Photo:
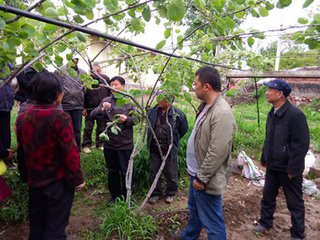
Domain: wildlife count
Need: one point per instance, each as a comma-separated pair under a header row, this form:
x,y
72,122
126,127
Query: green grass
x,y
124,223
249,136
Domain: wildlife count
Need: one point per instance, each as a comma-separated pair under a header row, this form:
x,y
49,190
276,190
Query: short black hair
x,y
120,79
46,86
211,76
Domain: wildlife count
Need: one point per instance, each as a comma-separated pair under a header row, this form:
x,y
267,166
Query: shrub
x,y
14,208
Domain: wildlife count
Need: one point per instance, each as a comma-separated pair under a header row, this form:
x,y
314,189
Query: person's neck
x,y
279,103
211,98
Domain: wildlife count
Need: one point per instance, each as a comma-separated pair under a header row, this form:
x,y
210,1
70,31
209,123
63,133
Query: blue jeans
x,y
205,210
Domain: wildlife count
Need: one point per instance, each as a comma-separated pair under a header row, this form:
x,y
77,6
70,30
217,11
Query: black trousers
x,y
5,131
292,189
76,117
170,173
117,164
88,128
49,211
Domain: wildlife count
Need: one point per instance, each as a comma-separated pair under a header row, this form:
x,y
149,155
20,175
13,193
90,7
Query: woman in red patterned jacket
x,y
48,159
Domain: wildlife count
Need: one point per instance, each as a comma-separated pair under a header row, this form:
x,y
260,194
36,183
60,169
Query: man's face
x,y
199,88
97,69
273,95
117,85
163,103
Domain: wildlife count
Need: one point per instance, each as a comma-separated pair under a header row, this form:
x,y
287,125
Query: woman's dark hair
x,y
120,79
46,86
211,76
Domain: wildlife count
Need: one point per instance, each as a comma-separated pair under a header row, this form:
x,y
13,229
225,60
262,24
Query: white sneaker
x,y
169,199
86,150
100,148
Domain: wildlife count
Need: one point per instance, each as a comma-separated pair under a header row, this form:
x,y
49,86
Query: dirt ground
x,y
241,211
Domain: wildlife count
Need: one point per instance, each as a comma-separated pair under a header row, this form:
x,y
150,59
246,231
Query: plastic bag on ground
x,y
249,170
309,161
310,188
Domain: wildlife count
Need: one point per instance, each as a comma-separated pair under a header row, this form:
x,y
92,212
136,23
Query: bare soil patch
x,y
241,210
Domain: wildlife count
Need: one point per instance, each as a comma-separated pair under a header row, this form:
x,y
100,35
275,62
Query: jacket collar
x,y
169,112
203,104
282,109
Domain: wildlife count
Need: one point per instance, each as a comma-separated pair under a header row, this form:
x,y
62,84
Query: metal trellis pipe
x,y
27,14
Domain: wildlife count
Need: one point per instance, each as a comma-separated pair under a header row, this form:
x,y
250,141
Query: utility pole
x,y
278,53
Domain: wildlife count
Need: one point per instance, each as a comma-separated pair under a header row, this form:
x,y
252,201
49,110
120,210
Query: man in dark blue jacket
x,y
6,104
285,147
164,119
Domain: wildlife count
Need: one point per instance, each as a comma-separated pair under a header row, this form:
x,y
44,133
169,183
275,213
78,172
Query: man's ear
x,y
281,94
207,86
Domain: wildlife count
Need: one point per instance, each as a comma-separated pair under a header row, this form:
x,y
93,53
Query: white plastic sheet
x,y
249,170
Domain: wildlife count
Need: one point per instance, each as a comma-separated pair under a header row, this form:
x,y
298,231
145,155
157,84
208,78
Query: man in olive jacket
x,y
208,151
285,147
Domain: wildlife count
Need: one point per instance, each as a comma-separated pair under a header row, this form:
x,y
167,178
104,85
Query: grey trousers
x,y
170,173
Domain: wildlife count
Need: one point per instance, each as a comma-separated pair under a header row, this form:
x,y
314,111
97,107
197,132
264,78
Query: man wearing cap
x,y
169,125
285,147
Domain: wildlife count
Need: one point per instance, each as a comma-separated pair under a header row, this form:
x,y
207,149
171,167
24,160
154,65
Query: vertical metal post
x,y
257,98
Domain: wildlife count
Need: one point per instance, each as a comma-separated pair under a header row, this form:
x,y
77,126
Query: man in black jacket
x,y
92,99
165,118
285,147
118,146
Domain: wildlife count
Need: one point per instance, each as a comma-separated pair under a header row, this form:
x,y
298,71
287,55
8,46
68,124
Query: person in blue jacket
x,y
160,116
6,104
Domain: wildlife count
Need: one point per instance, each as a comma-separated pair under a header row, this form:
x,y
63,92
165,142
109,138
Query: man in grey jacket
x,y
73,98
208,151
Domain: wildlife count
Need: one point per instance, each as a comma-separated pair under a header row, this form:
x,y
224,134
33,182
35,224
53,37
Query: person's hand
x,y
11,155
122,118
106,106
197,185
81,186
84,113
290,175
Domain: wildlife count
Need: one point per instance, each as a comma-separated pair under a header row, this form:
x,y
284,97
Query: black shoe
x,y
260,229
175,235
153,200
111,202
